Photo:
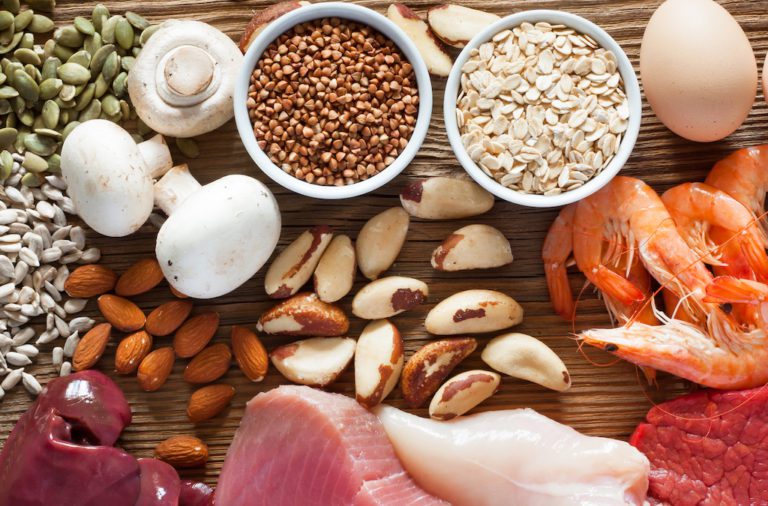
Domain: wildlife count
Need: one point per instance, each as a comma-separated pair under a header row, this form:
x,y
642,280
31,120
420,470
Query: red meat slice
x,y
708,448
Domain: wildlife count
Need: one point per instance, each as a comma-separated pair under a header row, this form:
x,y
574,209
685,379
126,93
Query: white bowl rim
x,y
361,15
631,86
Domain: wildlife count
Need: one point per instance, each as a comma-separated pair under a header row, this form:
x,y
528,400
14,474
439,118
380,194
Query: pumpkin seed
x,y
12,5
6,20
27,117
84,25
50,66
10,46
99,16
124,33
43,5
72,73
93,111
40,145
82,58
27,56
135,52
62,52
125,109
48,132
147,33
127,63
6,164
108,30
7,35
188,147
34,163
22,20
8,92
18,105
10,121
7,136
32,180
68,36
41,24
18,144
93,43
54,163
111,66
51,113
32,72
100,56
26,86
38,123
119,86
110,105
85,97
138,21
102,86
68,129
48,48
27,41
50,88
5,107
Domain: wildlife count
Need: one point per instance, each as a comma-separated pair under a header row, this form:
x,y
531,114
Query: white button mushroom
x,y
183,81
217,236
109,176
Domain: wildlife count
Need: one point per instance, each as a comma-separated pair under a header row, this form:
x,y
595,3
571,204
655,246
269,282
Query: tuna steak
x,y
708,448
300,446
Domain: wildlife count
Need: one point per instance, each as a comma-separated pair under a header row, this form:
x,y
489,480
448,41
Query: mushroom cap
x,y
107,178
183,81
219,237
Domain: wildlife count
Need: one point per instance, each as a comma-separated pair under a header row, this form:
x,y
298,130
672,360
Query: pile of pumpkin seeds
x,y
47,89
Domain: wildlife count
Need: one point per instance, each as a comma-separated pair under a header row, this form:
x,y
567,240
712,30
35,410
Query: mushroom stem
x,y
156,156
174,187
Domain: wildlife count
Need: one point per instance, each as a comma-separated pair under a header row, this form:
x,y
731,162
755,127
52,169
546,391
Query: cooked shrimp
x,y
702,212
728,289
744,176
557,249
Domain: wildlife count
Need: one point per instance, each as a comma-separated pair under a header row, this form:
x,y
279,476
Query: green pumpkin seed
x,y
27,118
136,20
22,20
101,86
34,163
48,132
11,69
5,107
42,5
125,108
38,123
6,165
6,19
82,58
12,5
84,25
93,43
3,78
10,46
8,92
48,49
127,63
32,72
26,86
40,145
40,24
72,73
100,56
124,33
111,66
67,93
108,30
62,52
110,105
50,88
32,180
6,36
188,147
93,111
147,33
99,16
27,56
50,114
8,136
54,164
120,85
68,36
68,129
27,41
85,97
10,121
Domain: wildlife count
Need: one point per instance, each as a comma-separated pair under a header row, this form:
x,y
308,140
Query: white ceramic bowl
x,y
354,13
630,84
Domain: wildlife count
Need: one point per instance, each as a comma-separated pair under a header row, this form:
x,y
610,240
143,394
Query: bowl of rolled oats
x,y
542,108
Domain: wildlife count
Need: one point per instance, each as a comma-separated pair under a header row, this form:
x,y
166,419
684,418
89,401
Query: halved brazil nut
x,y
388,297
430,365
473,247
295,264
380,241
304,314
456,25
378,362
462,393
473,311
335,274
314,362
445,198
525,357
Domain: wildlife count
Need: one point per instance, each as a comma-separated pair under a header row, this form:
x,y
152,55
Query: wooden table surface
x,y
607,398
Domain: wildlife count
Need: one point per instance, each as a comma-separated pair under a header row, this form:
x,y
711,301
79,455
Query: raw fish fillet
x,y
515,457
300,446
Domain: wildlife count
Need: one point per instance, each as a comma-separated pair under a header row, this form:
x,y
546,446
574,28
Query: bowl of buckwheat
x,y
333,100
542,108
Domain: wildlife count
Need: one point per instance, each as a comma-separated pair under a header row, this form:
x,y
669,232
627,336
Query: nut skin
x,y
442,21
473,247
294,266
140,278
474,311
131,351
89,281
249,353
209,401
304,314
430,365
155,368
123,314
261,19
525,357
462,393
335,273
314,362
438,61
91,347
445,198
182,452
378,362
387,297
195,334
209,365
167,318
380,241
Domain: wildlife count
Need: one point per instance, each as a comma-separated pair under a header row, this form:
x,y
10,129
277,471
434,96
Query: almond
x,y
178,294
430,365
155,369
388,297
314,362
182,451
456,25
473,311
380,241
293,267
123,314
462,393
209,365
438,61
195,334
261,19
140,278
335,273
209,401
445,198
89,281
166,318
472,247
378,362
91,347
304,314
131,351
249,353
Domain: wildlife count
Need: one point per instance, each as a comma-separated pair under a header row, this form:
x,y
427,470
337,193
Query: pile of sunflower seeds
x,y
542,108
37,246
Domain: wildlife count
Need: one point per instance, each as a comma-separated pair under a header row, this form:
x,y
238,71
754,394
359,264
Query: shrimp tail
x,y
756,258
728,289
617,286
560,291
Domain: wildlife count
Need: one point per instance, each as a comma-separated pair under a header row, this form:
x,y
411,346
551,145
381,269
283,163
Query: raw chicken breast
x,y
515,457
300,446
